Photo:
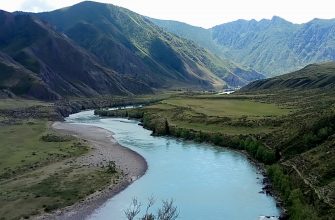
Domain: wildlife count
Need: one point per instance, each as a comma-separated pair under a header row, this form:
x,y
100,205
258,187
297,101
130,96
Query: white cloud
x,y
204,13
36,5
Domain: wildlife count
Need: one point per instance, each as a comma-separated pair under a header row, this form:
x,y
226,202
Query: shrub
x,y
293,197
55,138
258,150
167,212
111,167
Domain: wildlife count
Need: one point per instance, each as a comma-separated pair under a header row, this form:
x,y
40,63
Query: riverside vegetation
x,y
36,169
36,173
290,131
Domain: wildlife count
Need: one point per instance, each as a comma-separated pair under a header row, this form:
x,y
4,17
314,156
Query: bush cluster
x,y
55,138
292,195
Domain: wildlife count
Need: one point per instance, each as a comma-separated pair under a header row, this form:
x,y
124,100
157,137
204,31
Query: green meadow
x,y
36,172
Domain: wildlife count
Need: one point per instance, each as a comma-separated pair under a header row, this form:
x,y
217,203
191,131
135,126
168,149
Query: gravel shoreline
x,y
104,149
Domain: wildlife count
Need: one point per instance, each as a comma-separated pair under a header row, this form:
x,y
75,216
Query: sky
x,y
203,13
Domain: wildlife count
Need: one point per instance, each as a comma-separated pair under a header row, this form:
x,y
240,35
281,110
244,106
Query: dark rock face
x,y
272,47
313,40
277,46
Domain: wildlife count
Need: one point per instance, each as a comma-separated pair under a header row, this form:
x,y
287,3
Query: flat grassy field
x,y
36,172
228,107
232,116
21,103
23,149
48,188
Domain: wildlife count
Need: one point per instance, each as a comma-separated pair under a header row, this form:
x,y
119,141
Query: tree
x,y
111,167
167,212
133,210
167,128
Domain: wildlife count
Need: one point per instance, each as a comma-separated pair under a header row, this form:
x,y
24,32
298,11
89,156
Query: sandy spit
x,y
104,149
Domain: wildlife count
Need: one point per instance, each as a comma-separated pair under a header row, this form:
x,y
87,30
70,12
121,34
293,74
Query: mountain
x,y
200,35
277,46
135,47
272,47
16,79
313,76
38,62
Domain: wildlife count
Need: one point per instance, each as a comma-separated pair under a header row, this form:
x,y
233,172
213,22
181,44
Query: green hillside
x,y
38,62
16,79
314,76
92,49
132,45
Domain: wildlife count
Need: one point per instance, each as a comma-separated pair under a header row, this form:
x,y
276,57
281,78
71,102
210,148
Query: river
x,y
206,182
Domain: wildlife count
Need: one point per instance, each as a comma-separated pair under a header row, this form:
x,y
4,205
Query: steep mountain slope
x,y
271,46
14,78
313,76
134,46
277,46
200,35
44,64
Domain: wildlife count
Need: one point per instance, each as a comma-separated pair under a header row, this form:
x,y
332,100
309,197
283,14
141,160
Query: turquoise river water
x,y
205,182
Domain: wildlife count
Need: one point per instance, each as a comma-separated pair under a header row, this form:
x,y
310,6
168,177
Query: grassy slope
x,y
33,173
38,62
314,76
21,81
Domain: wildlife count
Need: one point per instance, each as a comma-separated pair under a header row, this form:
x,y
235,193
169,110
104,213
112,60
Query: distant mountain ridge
x,y
272,47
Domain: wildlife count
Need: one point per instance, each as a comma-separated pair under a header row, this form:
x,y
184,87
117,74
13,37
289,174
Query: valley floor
x,y
57,170
104,149
44,169
291,132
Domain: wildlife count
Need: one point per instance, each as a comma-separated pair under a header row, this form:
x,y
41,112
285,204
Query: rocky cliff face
x,y
277,46
272,47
